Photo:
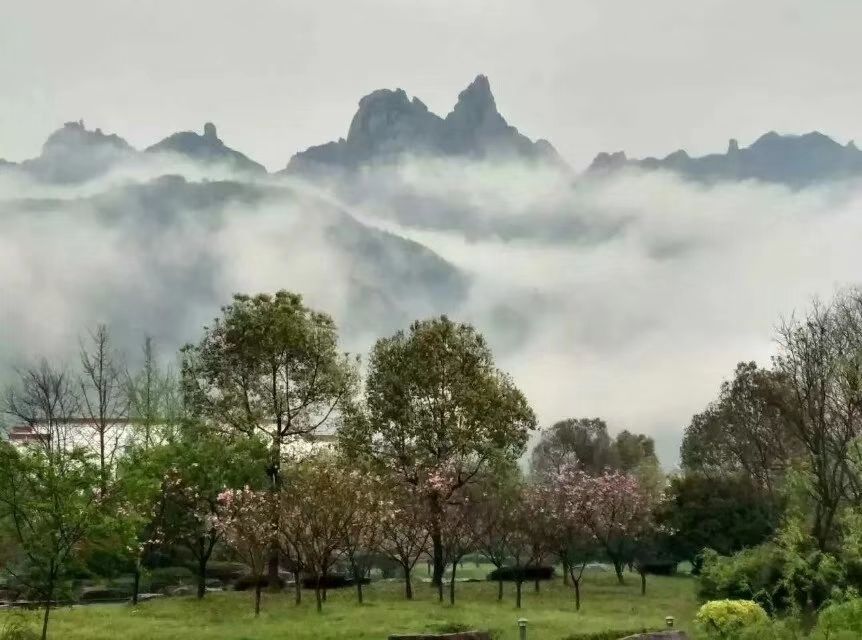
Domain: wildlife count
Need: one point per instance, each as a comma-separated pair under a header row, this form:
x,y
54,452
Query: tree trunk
x,y
202,577
499,590
565,573
452,585
318,595
358,579
257,590
50,595
45,620
618,568
136,582
518,584
577,584
440,591
537,588
272,565
297,587
408,587
439,564
643,583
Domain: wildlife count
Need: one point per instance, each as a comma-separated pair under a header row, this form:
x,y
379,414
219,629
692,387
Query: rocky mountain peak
x,y
389,124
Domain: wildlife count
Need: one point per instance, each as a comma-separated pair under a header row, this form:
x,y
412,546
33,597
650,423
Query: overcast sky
x,y
280,75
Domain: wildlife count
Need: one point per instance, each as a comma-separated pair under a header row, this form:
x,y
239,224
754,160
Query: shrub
x,y
165,577
226,571
332,581
247,582
608,634
14,628
840,621
728,619
96,594
659,568
525,574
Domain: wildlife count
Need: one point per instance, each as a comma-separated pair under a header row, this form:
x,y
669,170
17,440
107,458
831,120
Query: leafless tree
x,y
46,401
821,358
104,400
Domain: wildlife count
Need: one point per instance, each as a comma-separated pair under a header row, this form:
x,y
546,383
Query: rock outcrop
x,y
206,148
388,124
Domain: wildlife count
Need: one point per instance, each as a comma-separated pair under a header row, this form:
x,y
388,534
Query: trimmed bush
x,y
95,594
165,577
728,619
332,581
659,568
608,634
525,574
247,582
226,571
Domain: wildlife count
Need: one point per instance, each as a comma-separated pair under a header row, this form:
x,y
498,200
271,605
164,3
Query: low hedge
x,y
247,582
524,574
608,634
96,594
226,571
334,581
667,568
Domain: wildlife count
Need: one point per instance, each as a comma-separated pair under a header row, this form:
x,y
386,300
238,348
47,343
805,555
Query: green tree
x,y
270,366
50,503
436,405
199,465
585,443
726,513
746,430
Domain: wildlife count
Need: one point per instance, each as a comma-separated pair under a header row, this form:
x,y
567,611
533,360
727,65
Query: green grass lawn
x,y
229,616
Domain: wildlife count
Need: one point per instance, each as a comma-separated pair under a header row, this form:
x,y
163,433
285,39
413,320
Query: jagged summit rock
x,y
207,148
74,153
388,124
793,160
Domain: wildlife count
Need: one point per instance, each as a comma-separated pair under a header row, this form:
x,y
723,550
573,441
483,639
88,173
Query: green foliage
x,y
724,513
842,621
727,619
585,443
50,507
15,627
608,634
434,397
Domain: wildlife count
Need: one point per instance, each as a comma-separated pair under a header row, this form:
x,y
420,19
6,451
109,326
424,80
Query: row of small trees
x,y
212,456
333,511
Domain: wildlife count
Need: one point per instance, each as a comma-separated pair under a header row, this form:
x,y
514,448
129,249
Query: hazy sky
x,y
279,75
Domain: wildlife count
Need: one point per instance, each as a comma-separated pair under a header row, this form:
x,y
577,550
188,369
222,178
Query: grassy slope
x,y
229,616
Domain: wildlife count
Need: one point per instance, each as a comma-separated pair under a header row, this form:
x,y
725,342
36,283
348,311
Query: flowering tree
x,y
494,514
244,519
362,533
568,494
404,531
457,536
435,401
318,506
204,463
617,512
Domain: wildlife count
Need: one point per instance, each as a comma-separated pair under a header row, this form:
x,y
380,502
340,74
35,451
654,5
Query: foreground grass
x,y
228,616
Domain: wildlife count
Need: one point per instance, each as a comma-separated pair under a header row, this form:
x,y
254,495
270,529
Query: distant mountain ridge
x,y
75,154
388,124
793,160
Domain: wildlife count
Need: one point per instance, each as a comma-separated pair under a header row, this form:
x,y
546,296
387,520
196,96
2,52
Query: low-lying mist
x,y
628,297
